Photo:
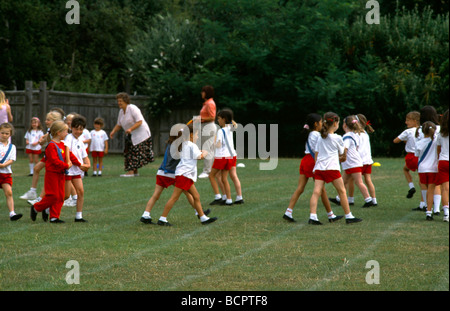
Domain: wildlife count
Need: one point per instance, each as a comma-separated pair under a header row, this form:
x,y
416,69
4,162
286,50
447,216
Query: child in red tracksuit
x,y
55,169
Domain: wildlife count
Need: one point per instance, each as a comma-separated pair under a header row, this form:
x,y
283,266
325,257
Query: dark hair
x,y
99,121
427,113
428,129
209,91
63,114
123,96
329,119
311,120
78,121
444,124
365,125
191,131
226,114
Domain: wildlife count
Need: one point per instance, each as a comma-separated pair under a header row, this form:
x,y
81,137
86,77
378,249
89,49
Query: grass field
x,y
250,247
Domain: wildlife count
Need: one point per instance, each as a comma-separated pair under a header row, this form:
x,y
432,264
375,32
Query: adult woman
x,y
209,128
138,141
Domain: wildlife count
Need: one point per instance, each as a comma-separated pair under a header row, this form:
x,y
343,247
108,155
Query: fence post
x,y
43,100
28,109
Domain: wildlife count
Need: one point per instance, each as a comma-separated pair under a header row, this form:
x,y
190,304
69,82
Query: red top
x,y
208,111
52,161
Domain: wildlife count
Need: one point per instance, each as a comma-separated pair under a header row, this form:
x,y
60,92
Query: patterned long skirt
x,y
139,155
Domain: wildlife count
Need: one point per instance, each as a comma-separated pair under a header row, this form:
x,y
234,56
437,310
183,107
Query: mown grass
x,y
250,247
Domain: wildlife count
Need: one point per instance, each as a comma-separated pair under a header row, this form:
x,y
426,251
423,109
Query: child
x,y
5,109
353,165
55,169
443,168
227,113
224,156
31,194
313,126
408,136
165,177
426,151
330,151
33,148
186,176
76,173
99,146
7,157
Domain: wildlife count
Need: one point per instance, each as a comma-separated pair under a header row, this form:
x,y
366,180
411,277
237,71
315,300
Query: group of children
x,y
427,151
326,153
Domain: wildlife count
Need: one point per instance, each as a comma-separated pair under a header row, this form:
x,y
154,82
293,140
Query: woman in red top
x,y
55,169
208,127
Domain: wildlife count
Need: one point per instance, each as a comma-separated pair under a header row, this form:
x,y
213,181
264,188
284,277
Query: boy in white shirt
x,y
76,174
99,146
7,157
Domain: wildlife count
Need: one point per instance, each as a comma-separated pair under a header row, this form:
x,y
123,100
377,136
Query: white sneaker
x,y
445,218
32,202
203,175
127,175
29,195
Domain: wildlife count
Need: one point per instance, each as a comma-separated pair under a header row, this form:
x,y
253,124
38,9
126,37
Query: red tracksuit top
x,y
53,163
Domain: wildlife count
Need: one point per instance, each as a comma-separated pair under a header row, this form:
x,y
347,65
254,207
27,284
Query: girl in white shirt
x,y
186,175
32,137
329,152
443,167
426,151
313,126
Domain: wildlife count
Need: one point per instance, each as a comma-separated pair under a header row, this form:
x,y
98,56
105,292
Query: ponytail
x,y
329,119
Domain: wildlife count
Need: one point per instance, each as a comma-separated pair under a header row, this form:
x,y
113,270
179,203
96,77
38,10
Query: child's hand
x,y
85,167
69,164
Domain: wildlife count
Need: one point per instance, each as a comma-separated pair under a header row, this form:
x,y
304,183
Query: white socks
x,y
411,185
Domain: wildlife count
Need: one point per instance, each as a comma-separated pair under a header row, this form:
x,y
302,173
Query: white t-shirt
x,y
365,150
313,138
223,151
443,142
430,161
85,136
33,136
329,150
11,156
188,161
352,143
129,118
409,136
76,146
98,139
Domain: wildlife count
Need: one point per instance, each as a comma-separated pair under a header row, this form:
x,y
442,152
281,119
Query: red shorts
x,y
224,163
367,169
412,162
354,170
69,177
164,181
428,178
97,154
29,151
442,176
327,176
183,182
5,179
307,166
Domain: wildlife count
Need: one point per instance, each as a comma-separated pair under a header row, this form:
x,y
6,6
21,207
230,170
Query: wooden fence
x,y
31,102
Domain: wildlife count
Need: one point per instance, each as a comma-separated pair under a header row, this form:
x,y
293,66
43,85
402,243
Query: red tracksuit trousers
x,y
54,185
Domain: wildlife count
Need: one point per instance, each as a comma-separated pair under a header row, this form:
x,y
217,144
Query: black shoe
x,y
57,221
217,202
335,201
368,204
33,213
205,212
210,220
147,221
290,219
80,220
241,201
314,222
420,209
429,218
436,213
164,223
15,217
335,218
411,193
352,220
44,216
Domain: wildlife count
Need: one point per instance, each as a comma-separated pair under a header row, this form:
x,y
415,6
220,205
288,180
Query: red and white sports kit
x,y
443,167
327,166
307,164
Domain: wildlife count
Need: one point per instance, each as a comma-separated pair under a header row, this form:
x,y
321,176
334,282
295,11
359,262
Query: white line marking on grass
x,y
365,254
